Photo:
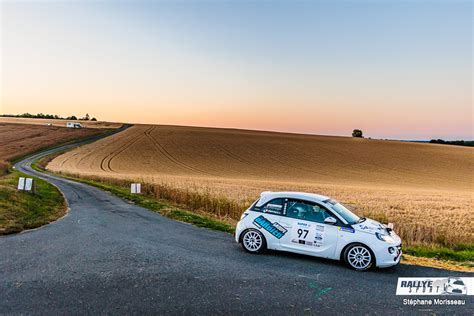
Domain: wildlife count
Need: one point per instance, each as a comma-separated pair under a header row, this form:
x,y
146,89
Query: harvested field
x,y
425,189
17,140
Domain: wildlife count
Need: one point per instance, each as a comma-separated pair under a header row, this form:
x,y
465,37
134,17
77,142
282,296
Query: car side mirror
x,y
330,220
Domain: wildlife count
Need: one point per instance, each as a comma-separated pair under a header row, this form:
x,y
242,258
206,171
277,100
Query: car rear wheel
x,y
253,241
358,257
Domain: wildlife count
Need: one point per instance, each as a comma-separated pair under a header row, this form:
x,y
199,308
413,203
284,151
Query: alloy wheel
x,y
252,241
359,258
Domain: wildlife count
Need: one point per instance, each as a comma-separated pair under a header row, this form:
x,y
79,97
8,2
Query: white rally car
x,y
318,226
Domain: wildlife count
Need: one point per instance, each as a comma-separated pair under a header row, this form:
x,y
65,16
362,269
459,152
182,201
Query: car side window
x,y
275,206
306,211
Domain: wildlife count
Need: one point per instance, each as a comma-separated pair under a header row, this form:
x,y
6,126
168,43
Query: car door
x,y
269,220
307,232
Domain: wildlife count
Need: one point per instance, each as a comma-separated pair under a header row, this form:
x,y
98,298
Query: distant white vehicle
x,y
318,226
49,124
74,125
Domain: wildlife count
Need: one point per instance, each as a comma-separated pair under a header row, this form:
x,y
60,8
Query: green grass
x,y
20,210
460,253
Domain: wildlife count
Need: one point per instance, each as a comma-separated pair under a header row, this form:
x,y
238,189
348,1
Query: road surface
x,y
109,256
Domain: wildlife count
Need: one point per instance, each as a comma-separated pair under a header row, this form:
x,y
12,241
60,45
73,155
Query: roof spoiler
x,y
265,192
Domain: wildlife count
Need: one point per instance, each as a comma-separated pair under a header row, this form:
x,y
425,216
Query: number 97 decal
x,y
302,233
307,234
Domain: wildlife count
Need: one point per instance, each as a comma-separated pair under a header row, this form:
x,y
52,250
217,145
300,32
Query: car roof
x,y
268,196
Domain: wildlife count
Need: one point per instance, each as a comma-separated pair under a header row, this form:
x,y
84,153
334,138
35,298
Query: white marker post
x,y
136,188
29,185
21,183
26,184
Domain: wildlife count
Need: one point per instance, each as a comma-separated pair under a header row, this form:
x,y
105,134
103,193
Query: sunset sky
x,y
401,70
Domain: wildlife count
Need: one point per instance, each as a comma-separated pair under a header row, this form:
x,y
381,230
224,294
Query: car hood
x,y
370,226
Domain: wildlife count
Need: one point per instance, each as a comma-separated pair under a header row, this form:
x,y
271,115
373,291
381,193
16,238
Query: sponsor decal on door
x,y
274,229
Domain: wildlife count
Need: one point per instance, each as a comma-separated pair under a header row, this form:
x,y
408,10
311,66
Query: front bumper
x,y
387,259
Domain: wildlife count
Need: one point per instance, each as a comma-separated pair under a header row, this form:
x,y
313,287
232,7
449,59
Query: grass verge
x,y
20,210
460,253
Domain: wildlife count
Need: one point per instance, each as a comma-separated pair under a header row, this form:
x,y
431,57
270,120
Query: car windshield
x,y
340,209
458,282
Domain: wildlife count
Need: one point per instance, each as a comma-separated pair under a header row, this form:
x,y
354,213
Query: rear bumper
x,y
238,231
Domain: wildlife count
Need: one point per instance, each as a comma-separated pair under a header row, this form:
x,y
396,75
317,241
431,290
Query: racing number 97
x,y
301,232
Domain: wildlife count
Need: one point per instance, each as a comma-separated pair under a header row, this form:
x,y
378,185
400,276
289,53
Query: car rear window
x,y
275,206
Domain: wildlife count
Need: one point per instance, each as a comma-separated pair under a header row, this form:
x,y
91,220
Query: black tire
x,y
253,241
358,257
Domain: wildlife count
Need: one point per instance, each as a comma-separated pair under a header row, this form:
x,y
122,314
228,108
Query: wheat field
x,y
425,189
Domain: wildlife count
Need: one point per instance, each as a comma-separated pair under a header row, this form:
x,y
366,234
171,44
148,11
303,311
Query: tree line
x,y
453,142
51,117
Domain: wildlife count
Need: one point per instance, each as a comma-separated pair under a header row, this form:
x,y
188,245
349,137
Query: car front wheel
x,y
358,257
253,241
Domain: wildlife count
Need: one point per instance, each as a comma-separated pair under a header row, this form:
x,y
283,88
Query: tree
x,y
72,118
87,117
93,119
357,133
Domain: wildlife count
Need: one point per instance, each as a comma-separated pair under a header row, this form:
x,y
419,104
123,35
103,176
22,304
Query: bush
x,y
357,133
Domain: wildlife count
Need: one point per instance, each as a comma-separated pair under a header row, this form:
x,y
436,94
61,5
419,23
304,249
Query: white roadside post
x,y
21,183
136,188
26,184
30,185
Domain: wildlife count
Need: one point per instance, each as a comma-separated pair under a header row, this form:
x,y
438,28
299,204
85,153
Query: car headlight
x,y
385,238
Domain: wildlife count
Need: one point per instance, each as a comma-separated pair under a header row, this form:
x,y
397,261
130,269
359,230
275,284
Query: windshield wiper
x,y
362,219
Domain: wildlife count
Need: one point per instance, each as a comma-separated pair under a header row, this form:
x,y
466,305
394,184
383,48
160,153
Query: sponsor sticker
x,y
274,229
347,229
273,209
274,206
318,236
303,224
436,286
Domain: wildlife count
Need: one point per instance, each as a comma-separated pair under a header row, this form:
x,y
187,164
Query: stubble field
x,y
17,140
425,189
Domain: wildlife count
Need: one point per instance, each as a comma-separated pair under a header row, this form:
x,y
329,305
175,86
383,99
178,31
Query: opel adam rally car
x,y
318,226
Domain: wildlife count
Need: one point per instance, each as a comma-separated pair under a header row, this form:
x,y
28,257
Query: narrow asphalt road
x,y
109,256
